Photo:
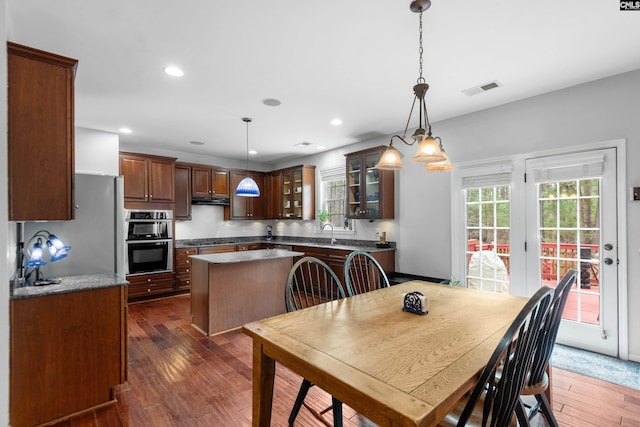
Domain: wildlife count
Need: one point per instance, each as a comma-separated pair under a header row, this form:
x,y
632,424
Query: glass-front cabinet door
x,y
292,193
287,194
370,191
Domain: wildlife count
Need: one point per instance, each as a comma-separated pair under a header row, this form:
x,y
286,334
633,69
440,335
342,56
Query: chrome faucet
x,y
333,241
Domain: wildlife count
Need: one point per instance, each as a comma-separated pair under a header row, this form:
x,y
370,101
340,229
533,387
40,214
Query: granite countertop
x,y
246,256
76,283
343,244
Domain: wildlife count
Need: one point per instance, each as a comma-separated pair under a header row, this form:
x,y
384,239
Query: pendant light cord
x,y
420,51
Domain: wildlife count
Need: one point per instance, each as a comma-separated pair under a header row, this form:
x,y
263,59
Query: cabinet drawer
x,y
144,289
183,271
183,283
151,284
183,263
216,249
185,252
249,247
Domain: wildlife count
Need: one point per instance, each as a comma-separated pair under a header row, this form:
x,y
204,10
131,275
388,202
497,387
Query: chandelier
x,y
430,148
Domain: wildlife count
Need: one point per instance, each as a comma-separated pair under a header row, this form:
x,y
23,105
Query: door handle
x,y
608,261
608,246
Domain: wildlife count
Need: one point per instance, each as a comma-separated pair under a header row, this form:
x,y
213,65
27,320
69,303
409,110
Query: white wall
x,y
603,110
96,152
5,229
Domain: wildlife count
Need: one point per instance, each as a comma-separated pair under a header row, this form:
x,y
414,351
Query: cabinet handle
x,y
188,271
149,290
148,280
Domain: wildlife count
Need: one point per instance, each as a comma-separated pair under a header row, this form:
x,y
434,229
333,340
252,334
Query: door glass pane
x,y
488,211
569,231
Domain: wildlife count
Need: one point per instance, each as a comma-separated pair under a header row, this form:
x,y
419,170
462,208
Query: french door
x,y
571,222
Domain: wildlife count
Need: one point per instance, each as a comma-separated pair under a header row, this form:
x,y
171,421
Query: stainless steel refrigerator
x,y
96,235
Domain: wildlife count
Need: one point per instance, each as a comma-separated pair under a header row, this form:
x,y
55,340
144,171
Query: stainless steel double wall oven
x,y
148,241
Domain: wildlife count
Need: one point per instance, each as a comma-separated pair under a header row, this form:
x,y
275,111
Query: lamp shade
x,y
443,166
429,151
35,258
247,188
57,249
390,159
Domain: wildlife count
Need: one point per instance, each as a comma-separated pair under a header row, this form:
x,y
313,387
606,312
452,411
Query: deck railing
x,y
556,259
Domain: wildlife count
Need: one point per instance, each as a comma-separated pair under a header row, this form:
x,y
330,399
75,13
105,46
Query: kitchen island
x,y
234,288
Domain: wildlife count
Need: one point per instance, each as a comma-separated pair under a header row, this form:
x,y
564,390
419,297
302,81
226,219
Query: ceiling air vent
x,y
481,88
303,144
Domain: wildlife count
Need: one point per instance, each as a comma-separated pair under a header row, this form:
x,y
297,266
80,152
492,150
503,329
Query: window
x,y
332,197
483,254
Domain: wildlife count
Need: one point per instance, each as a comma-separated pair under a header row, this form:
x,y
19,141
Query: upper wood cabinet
x,y
246,207
40,139
209,182
370,192
182,191
292,193
147,179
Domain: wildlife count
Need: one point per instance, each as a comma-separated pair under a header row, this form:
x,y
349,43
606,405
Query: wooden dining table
x,y
395,367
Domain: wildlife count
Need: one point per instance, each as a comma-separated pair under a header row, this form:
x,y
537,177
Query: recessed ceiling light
x,y
320,147
271,102
253,152
125,130
336,122
174,71
196,142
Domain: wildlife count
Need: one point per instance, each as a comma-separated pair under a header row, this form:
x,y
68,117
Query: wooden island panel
x,y
226,295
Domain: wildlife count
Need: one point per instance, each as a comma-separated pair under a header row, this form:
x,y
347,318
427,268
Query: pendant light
x,y
430,149
247,187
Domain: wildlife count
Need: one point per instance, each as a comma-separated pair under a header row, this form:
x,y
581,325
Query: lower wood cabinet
x,y
183,267
335,258
67,351
148,285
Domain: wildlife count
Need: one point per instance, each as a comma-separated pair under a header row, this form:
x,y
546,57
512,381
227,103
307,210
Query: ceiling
x,y
323,60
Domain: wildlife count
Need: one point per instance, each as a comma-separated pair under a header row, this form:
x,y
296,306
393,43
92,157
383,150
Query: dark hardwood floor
x,y
177,377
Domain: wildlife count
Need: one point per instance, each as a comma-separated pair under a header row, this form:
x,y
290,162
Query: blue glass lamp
x,y
57,251
247,187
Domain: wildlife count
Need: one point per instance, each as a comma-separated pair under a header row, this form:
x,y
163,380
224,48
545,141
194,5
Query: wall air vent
x,y
481,88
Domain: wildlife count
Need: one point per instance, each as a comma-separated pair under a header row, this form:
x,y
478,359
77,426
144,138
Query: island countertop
x,y
246,256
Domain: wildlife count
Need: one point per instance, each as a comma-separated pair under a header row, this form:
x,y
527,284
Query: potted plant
x,y
451,282
323,216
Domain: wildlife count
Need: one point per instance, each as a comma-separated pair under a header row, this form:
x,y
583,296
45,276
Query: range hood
x,y
217,201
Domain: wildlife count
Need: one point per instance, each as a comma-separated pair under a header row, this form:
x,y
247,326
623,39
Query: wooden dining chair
x,y
494,399
312,282
538,381
363,273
